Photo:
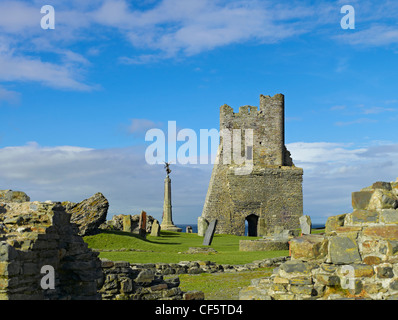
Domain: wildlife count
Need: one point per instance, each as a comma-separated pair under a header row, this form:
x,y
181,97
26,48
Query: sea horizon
x,y
195,227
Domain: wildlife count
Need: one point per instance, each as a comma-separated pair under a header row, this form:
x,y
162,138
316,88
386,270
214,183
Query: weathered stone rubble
x,y
196,267
356,258
279,240
88,214
127,223
33,235
144,281
263,245
201,250
124,282
13,196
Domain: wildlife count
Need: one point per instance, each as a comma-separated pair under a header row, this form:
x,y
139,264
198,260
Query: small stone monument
x,y
167,220
188,229
202,226
305,224
155,231
142,225
282,235
127,223
210,233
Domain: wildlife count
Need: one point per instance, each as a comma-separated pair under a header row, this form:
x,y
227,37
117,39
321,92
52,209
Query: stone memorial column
x,y
167,220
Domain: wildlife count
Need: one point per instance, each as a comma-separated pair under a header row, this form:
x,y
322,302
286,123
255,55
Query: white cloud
x,y
74,173
359,110
332,171
23,68
9,96
143,59
377,110
338,107
323,152
139,126
375,35
189,27
23,45
114,13
161,30
16,17
355,121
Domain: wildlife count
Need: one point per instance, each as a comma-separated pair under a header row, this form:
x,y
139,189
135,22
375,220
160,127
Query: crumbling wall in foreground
x,y
33,235
356,258
125,282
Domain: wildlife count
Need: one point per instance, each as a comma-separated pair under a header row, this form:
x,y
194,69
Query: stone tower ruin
x,y
270,193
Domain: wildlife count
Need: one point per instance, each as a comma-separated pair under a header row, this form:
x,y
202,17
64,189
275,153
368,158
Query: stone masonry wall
x,y
34,234
13,196
268,122
272,191
122,282
357,257
196,267
144,281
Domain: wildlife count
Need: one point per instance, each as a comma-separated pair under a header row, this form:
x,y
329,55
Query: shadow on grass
x,y
169,234
134,235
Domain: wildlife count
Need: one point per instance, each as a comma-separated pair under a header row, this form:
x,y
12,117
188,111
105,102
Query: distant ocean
x,y
184,227
195,227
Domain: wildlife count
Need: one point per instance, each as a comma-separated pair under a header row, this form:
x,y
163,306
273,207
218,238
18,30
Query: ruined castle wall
x,y
268,125
272,190
272,110
123,282
33,235
356,258
260,193
218,203
236,197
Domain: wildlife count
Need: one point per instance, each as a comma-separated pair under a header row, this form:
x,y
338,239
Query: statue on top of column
x,y
167,167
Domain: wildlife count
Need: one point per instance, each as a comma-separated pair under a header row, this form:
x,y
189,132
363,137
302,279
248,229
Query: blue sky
x,y
76,101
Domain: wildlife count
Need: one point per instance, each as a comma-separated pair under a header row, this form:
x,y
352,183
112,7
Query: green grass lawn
x,y
221,286
170,248
317,231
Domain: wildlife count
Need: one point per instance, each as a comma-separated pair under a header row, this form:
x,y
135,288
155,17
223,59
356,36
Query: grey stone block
x,y
343,250
210,233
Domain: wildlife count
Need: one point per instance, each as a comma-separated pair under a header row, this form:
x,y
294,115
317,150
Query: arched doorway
x,y
252,222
